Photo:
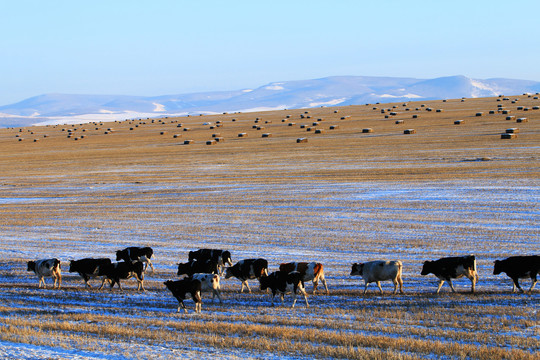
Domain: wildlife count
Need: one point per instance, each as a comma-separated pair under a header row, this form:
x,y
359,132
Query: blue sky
x,y
171,47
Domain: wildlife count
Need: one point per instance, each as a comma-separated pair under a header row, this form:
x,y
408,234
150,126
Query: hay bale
x,y
439,110
21,139
268,122
216,135
479,113
211,142
162,133
301,140
36,140
187,129
393,113
508,136
334,127
458,122
265,135
512,131
519,108
308,129
220,139
187,142
409,131
319,131
336,111
522,120
284,120
511,117
291,124
415,116
176,136
242,134
536,107
345,117
400,122
315,124
260,127
367,130
491,112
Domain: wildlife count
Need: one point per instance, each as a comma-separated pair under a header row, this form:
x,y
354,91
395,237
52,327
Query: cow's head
x,y
497,269
121,255
31,266
357,269
182,268
427,268
228,272
226,257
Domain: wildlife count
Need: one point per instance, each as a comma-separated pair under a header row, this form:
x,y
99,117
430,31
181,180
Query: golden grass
x,y
342,197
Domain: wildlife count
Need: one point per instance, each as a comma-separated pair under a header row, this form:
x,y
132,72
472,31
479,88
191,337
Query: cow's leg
x,y
86,278
473,279
516,284
247,285
451,285
441,282
103,279
303,291
151,265
58,280
282,296
365,286
42,280
533,284
395,281
400,281
323,280
217,292
315,284
181,305
379,286
140,285
198,301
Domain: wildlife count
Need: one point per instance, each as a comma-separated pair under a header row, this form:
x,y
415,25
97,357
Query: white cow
x,y
379,270
46,268
209,282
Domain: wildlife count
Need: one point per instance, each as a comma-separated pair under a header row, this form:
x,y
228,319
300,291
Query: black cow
x,y
450,268
519,267
142,254
282,282
221,256
89,268
181,288
195,266
123,270
247,269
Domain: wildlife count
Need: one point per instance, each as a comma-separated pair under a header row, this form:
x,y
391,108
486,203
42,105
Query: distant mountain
x,y
330,91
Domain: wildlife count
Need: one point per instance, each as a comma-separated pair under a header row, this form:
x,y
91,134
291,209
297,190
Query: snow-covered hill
x,y
336,90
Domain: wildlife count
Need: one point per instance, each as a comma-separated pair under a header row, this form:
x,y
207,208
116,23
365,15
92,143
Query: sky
x,y
160,47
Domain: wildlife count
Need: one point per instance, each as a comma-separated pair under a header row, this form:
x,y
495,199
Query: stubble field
x,y
346,195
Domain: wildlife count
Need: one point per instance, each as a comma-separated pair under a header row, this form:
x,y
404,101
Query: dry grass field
x,y
359,189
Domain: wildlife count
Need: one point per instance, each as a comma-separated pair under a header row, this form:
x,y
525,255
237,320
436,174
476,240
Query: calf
x,y
282,282
221,256
450,268
142,254
123,270
89,268
519,267
46,268
209,282
195,266
379,270
247,269
180,288
310,272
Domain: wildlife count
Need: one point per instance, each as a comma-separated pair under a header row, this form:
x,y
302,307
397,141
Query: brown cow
x,y
309,271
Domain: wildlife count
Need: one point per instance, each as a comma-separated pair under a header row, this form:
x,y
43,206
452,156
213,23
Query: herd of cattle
x,y
205,267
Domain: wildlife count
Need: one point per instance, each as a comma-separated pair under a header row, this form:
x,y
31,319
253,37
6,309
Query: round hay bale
x,y
479,113
308,129
519,108
177,136
260,127
242,134
458,122
511,117
508,136
265,135
512,131
21,139
220,139
400,122
439,110
187,142
162,133
345,117
336,111
303,126
491,112
268,122
284,120
522,120
415,116
291,124
319,131
409,131
393,113
36,140
301,140
334,127
82,136
187,129
315,124
367,130
216,135
536,107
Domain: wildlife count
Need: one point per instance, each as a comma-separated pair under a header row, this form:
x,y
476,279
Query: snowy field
x,y
334,223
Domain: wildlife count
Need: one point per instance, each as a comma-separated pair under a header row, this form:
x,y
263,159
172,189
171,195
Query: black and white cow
x,y
519,267
196,266
142,254
380,270
222,257
209,283
247,269
123,270
46,268
181,288
450,268
89,268
282,282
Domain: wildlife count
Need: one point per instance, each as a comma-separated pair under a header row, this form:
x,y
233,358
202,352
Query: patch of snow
x,y
274,87
247,90
409,96
331,102
158,107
